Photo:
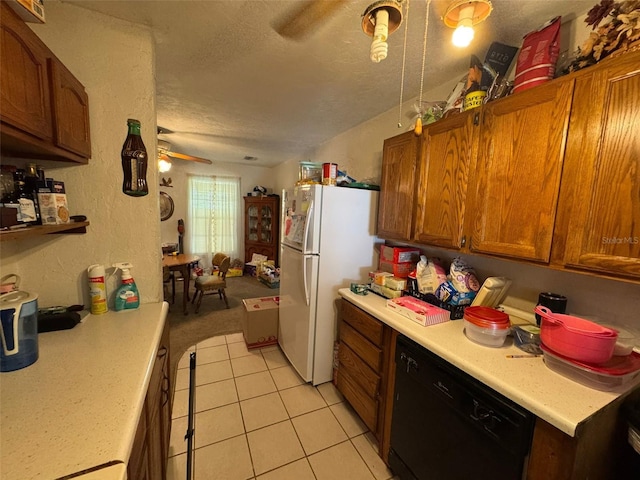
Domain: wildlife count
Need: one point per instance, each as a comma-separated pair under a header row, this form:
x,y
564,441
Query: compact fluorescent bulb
x,y
379,46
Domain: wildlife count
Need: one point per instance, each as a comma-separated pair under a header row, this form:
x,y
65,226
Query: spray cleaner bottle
x,y
127,297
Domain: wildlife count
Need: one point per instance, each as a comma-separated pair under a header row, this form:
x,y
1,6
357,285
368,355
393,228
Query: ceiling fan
x,y
165,153
306,17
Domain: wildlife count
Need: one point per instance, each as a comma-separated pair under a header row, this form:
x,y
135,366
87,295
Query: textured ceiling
x,y
229,86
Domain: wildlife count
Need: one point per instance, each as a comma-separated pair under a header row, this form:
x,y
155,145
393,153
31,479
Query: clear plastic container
x,y
489,337
527,338
618,372
310,172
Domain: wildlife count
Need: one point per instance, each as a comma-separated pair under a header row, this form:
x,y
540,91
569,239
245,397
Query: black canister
x,y
553,301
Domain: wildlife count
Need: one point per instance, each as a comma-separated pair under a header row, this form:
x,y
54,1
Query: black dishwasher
x,y
447,425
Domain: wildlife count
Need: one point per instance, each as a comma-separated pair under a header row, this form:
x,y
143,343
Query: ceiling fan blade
x,y
306,17
162,130
191,158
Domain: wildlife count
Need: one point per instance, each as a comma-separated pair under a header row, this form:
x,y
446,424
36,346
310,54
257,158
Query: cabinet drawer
x,y
368,352
364,323
359,371
365,406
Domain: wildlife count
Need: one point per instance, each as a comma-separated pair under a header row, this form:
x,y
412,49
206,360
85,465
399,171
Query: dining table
x,y
182,263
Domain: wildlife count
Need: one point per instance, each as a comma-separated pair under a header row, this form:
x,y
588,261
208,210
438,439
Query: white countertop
x,y
563,403
77,407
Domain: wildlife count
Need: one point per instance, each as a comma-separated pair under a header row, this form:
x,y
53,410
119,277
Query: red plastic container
x,y
575,337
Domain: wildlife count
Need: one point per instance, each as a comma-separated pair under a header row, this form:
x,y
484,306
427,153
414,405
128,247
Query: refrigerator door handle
x,y
309,219
304,278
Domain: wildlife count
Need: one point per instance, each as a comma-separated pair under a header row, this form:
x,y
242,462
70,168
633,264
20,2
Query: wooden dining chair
x,y
217,281
169,277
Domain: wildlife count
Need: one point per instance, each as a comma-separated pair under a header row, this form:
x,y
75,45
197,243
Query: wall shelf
x,y
37,230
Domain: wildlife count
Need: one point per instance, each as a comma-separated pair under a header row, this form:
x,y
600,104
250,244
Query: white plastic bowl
x,y
489,337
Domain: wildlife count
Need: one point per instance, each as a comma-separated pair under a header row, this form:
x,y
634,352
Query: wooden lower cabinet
x,y
365,358
150,452
598,450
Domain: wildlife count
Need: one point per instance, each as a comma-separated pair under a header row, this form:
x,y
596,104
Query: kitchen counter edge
x,y
526,381
77,407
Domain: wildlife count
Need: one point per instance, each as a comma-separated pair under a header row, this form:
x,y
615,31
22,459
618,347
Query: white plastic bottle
x,y
97,289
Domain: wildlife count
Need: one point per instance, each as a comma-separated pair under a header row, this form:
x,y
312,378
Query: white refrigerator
x,y
327,242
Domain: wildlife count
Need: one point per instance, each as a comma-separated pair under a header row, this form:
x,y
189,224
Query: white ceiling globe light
x,y
463,15
164,166
463,35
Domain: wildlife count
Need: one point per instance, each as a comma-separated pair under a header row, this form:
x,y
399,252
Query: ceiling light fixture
x,y
164,165
463,15
380,20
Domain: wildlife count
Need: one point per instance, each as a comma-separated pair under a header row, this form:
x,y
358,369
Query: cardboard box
x,y
234,272
260,321
28,10
401,270
53,208
420,312
399,254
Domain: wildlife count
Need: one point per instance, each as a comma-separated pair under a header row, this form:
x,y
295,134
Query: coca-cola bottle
x,y
134,162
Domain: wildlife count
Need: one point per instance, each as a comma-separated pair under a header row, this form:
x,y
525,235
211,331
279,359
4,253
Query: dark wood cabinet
x,y
517,172
26,101
70,110
44,109
150,450
397,195
549,175
448,149
261,227
599,211
365,358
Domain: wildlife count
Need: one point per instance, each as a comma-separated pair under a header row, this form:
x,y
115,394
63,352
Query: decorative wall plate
x,y
166,206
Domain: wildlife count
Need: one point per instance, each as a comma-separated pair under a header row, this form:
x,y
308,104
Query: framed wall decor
x,y
166,206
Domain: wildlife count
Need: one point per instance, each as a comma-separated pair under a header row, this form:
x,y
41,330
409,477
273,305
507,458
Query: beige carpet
x,y
213,318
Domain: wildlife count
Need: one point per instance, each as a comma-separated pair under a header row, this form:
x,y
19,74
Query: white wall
x,y
114,60
249,175
359,151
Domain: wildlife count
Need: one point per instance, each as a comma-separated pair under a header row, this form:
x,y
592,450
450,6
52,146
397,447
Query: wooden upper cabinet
x,y
395,211
44,109
24,93
518,169
448,147
600,203
70,110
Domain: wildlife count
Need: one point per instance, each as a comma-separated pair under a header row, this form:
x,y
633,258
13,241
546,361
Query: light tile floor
x,y
257,419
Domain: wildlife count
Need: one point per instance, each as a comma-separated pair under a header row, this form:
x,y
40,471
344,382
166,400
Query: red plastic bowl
x,y
575,337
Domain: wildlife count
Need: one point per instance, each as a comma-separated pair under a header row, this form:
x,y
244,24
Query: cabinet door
x,y
601,182
518,169
24,88
447,151
395,210
70,110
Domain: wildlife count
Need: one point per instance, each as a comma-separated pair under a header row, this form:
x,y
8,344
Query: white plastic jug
x,y
97,289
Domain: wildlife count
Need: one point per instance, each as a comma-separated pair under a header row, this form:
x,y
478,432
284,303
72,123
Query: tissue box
x,y
260,321
53,208
418,311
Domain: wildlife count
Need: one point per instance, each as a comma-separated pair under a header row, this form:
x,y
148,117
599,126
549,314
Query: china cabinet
x,y
261,227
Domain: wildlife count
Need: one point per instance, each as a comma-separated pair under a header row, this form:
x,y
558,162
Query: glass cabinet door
x,y
265,224
252,216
